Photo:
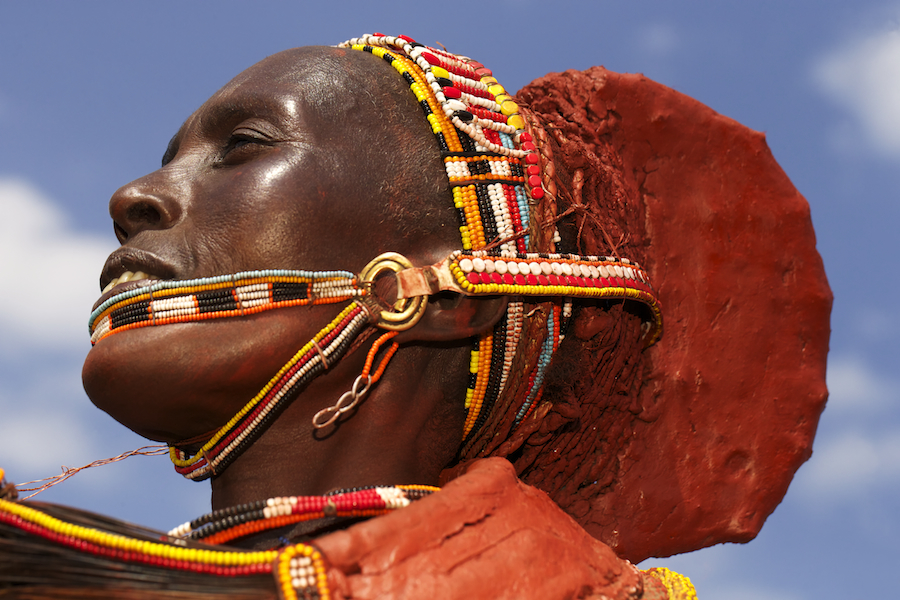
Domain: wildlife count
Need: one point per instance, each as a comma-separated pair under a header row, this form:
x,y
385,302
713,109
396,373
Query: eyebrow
x,y
172,147
247,104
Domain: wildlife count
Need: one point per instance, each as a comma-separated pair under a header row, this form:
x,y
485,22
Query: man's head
x,y
314,158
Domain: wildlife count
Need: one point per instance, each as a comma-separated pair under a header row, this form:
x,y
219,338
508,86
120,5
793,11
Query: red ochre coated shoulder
x,y
485,535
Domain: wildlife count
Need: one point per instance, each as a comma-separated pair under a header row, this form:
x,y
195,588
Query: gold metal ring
x,y
407,311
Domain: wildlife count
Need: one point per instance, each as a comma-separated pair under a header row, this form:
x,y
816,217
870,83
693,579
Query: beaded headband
x,y
497,177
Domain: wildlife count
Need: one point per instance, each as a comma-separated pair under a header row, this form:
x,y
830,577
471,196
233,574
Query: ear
x,y
451,316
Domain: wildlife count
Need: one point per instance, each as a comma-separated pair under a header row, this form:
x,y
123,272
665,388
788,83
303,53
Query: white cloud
x,y
853,464
857,390
48,273
857,450
45,418
19,432
864,76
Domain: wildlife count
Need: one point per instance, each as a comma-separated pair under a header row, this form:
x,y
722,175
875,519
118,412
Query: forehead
x,y
316,84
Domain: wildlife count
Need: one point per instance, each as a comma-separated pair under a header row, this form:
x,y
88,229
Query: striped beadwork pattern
x,y
241,294
299,569
546,274
327,347
495,173
236,522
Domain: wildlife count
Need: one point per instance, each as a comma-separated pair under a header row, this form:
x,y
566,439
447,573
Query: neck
x,y
391,438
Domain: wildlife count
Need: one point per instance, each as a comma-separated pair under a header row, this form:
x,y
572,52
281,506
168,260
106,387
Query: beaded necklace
x,y
223,526
298,569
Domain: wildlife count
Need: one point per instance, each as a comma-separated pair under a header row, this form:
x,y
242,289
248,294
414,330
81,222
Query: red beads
x,y
431,58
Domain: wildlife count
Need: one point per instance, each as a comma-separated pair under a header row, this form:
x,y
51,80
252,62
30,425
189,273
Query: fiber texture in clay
x,y
729,403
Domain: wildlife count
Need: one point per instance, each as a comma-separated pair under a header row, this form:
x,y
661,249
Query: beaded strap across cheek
x,y
495,173
241,294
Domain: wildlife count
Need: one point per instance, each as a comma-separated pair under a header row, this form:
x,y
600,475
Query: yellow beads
x,y
481,366
466,199
678,586
516,121
120,542
509,108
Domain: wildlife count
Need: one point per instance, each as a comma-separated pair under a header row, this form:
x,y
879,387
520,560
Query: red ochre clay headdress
x,y
694,440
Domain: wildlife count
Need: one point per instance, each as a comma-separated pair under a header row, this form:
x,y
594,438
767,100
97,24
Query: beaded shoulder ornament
x,y
498,177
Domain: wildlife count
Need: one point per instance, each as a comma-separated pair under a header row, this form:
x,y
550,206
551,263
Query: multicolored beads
x,y
495,169
305,576
327,347
486,154
233,523
544,274
238,295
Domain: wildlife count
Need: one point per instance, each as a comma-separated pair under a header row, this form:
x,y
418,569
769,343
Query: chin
x,y
180,381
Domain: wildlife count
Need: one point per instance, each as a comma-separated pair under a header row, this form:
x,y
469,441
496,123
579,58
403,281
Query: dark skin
x,y
297,163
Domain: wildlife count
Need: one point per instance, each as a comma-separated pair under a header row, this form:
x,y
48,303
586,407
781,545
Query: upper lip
x,y
132,259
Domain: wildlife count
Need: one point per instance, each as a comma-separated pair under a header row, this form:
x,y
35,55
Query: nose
x,y
144,204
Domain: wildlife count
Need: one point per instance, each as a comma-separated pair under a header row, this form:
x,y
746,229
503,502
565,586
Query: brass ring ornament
x,y
406,311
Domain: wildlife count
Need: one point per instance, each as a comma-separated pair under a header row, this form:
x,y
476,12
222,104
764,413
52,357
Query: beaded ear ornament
x,y
502,188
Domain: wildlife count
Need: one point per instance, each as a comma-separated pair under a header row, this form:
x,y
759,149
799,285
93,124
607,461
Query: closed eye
x,y
242,144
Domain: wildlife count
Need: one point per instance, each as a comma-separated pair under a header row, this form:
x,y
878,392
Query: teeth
x,y
127,276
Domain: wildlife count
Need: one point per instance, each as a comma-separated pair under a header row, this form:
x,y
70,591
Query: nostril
x,y
121,234
142,212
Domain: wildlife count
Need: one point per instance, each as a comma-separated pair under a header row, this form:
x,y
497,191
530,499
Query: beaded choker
x,y
223,526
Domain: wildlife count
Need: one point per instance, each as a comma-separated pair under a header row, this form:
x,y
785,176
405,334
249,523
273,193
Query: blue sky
x,y
91,92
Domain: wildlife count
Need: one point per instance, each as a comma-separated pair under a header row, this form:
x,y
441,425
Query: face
x,y
298,163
